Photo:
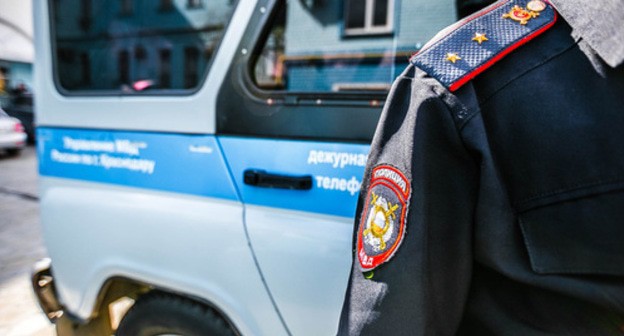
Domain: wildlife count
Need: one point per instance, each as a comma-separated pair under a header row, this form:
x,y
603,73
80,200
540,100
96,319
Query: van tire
x,y
160,314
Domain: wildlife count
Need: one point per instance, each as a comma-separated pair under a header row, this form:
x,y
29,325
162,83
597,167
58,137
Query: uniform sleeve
x,y
421,286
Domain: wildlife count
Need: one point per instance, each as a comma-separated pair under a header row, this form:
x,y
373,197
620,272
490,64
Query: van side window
x,y
132,46
309,47
304,77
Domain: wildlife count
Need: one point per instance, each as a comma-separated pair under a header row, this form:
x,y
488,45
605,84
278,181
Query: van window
x,y
334,46
307,77
130,47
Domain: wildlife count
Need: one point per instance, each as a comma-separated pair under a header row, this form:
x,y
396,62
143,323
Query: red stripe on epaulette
x,y
470,75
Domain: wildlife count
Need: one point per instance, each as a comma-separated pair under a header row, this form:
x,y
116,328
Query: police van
x,y
200,160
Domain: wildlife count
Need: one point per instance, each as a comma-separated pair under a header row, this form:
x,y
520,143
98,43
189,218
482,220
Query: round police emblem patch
x,y
382,224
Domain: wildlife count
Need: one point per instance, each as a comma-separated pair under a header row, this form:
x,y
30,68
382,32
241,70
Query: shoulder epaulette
x,y
479,41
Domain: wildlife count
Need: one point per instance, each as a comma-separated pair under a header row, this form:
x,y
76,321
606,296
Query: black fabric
x,y
516,219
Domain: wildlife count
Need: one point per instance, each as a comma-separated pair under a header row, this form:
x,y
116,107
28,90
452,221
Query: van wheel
x,y
163,314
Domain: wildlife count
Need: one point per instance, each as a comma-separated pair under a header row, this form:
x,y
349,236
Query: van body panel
x,y
305,258
336,170
302,238
187,244
188,164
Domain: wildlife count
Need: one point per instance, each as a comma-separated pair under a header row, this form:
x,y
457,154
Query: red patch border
x,y
376,261
407,186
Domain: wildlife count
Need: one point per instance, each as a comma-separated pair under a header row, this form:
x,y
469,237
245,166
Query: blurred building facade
x,y
16,46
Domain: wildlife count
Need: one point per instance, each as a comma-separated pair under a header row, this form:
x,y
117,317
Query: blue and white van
x,y
201,159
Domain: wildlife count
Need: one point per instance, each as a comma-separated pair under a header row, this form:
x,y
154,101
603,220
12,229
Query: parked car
x,y
12,134
21,107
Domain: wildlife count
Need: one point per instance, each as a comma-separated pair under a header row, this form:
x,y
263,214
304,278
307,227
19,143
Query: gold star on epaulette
x,y
453,57
480,38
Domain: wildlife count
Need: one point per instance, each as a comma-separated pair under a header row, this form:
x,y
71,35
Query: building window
x,y
367,17
66,55
165,6
140,53
57,8
126,8
124,67
85,67
191,67
85,15
165,69
194,4
4,72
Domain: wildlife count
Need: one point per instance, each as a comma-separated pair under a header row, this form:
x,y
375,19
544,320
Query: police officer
x,y
493,201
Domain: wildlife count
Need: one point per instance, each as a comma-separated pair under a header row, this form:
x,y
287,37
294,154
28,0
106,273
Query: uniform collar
x,y
599,23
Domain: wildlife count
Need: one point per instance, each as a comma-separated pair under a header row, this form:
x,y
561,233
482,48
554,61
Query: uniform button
x,y
536,6
462,114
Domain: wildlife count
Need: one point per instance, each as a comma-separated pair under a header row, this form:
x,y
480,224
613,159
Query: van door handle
x,y
260,178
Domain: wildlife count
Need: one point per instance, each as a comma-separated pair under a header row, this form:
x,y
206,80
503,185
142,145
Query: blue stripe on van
x,y
189,164
336,171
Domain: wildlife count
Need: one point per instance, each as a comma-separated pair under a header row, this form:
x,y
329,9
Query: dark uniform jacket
x,y
493,201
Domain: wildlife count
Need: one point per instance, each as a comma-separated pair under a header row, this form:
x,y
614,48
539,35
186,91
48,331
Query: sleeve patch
x,y
382,224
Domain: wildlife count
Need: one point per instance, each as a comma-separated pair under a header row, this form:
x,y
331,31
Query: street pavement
x,y
21,245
